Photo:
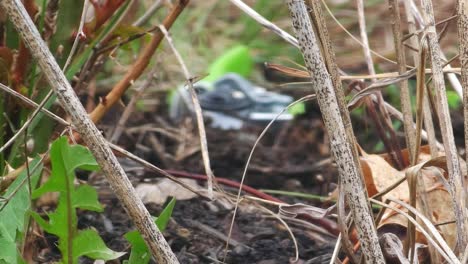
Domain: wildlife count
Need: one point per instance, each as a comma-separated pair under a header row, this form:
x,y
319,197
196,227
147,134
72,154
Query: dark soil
x,y
286,159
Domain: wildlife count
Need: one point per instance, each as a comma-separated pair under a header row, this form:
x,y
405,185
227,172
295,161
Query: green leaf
x,y
14,216
63,221
297,109
453,99
165,215
236,60
139,253
86,197
89,243
65,159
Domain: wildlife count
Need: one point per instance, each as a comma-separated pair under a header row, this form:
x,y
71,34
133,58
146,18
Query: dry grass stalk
x,y
341,147
385,123
454,170
463,51
92,136
320,27
403,86
428,122
198,113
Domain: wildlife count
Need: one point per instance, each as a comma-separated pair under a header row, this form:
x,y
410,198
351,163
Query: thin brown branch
x,y
138,67
428,122
385,122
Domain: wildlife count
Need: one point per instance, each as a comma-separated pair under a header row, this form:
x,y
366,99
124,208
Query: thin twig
x,y
451,77
148,14
92,136
428,122
385,123
244,174
26,124
198,113
265,23
131,105
80,34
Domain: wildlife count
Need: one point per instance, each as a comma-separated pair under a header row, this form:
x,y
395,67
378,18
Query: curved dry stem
x,y
92,136
305,98
432,229
449,256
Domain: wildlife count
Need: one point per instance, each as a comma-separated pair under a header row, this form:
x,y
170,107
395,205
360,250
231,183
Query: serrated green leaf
x,y
139,253
86,197
89,243
72,243
14,216
65,159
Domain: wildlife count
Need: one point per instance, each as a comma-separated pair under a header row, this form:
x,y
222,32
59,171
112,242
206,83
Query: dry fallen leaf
x,y
380,174
159,192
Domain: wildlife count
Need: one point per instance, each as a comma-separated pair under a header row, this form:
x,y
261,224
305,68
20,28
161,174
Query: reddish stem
x,y
325,223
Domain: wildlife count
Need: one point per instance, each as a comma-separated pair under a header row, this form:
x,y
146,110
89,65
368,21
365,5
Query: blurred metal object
x,y
231,102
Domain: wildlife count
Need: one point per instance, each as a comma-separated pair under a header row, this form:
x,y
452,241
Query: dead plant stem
x,y
457,190
91,135
341,146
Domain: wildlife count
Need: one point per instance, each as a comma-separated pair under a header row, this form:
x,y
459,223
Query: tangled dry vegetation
x,y
394,65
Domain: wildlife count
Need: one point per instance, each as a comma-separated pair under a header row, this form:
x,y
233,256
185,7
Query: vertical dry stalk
x,y
404,90
428,122
364,39
341,147
320,27
455,175
91,135
463,51
198,112
427,116
386,123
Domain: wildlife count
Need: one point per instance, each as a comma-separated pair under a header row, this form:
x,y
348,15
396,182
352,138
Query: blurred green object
x,y
297,109
453,99
236,60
